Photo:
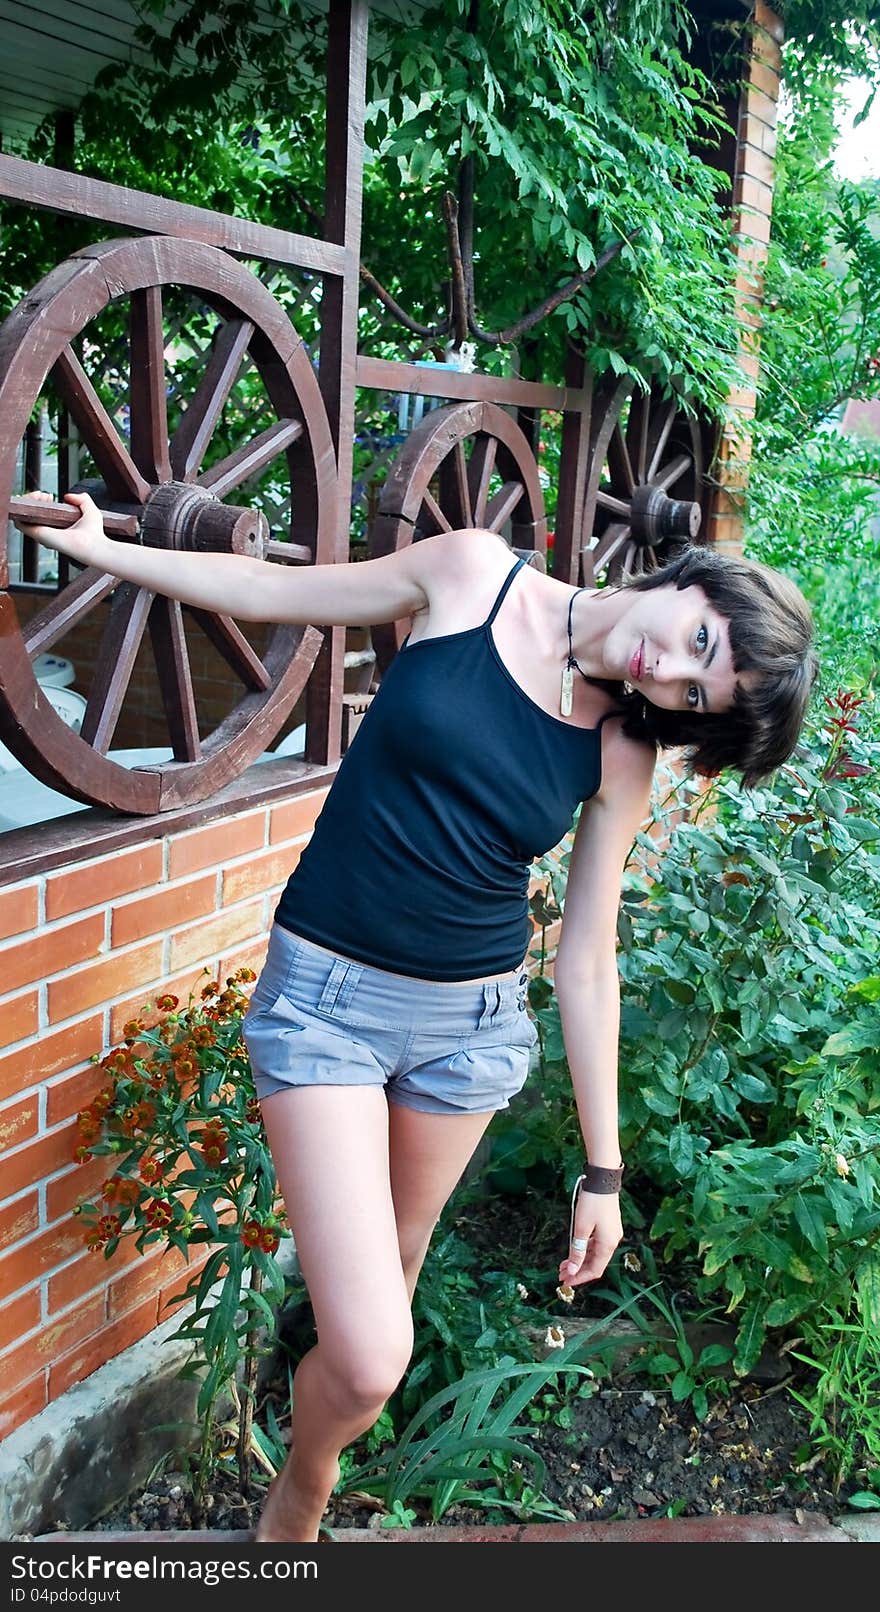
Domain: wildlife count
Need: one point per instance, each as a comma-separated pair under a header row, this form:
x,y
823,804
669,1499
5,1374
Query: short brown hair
x,y
771,636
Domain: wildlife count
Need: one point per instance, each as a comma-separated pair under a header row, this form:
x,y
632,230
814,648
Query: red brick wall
x,y
80,950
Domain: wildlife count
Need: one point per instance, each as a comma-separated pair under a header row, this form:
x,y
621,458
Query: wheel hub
x,y
656,517
180,515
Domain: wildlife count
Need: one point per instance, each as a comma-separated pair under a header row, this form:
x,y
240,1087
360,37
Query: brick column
x,y
752,205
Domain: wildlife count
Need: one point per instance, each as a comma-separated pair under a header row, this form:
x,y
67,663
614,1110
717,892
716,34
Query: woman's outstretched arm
x,y
587,982
367,591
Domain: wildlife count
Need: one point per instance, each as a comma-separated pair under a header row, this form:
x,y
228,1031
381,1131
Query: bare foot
x,y
292,1514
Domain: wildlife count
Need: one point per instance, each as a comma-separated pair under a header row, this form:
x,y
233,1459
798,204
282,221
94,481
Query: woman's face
x,y
673,647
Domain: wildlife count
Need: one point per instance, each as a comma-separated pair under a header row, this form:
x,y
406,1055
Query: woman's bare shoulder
x,y
460,572
628,766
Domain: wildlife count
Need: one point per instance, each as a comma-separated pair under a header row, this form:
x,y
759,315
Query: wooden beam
x,y
387,375
61,192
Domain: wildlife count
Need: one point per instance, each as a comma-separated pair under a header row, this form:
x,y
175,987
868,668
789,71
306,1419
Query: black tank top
x,y
455,780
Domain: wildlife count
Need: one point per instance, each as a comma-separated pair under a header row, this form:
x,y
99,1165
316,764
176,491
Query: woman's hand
x,y
84,541
597,1224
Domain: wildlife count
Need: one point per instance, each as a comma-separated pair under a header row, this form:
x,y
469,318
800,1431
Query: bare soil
x,y
630,1450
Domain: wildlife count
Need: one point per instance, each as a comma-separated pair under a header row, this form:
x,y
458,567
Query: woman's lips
x,y
637,662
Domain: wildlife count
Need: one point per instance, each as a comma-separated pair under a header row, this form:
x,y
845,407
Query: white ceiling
x,y
51,52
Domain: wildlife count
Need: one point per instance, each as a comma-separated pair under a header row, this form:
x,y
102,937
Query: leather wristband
x,y
596,1178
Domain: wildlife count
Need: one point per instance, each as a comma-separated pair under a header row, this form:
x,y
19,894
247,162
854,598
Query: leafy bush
x,y
179,1116
748,1110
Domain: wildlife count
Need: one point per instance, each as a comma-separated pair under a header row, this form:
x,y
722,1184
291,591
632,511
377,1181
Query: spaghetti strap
x,y
502,591
614,710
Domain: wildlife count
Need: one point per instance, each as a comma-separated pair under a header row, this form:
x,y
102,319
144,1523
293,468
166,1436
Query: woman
x,y
389,1022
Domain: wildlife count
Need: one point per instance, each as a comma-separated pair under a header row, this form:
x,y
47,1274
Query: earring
x,y
628,688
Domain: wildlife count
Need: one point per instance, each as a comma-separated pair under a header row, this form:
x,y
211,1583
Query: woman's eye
x,y
693,697
702,639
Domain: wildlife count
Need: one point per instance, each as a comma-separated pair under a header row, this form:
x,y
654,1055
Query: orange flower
x,y
88,1124
268,1240
158,1214
210,989
108,1226
132,1029
122,1190
253,1112
167,1003
244,974
251,1233
203,1036
150,1171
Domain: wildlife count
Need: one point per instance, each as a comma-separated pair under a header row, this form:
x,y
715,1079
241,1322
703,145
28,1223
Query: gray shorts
x,y
320,1019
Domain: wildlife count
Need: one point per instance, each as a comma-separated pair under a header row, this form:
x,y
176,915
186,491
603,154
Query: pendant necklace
x,y
568,670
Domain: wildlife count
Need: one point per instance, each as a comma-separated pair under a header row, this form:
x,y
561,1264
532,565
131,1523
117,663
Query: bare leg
x,y
330,1147
428,1155
362,1218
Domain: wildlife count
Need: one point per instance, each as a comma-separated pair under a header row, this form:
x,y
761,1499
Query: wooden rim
x,y
436,485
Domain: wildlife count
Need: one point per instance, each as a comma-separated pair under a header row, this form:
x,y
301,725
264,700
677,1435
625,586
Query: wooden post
x,y
346,79
33,481
573,469
66,435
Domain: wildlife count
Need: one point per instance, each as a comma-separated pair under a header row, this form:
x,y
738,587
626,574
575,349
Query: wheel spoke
x,y
289,553
501,507
252,458
662,439
479,476
129,610
674,472
197,426
455,495
429,503
175,678
619,465
149,413
235,649
637,434
612,542
120,473
62,516
68,608
618,505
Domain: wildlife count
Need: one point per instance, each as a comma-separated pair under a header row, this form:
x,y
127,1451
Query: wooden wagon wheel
x,y
467,464
153,491
645,484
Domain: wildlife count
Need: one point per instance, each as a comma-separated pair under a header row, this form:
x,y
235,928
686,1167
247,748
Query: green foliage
x,y
844,1397
581,131
463,1445
584,128
749,1093
844,34
690,1376
178,1115
812,497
